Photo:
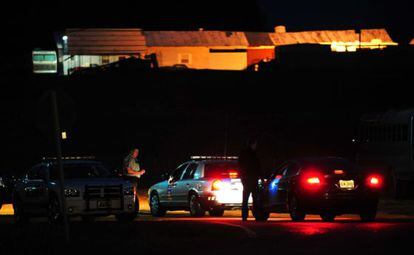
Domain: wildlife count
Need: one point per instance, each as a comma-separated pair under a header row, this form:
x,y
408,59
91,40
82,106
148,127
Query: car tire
x,y
328,217
54,210
20,217
196,208
216,212
368,214
155,206
296,213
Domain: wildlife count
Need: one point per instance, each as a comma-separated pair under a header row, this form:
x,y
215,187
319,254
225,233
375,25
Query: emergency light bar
x,y
70,158
214,157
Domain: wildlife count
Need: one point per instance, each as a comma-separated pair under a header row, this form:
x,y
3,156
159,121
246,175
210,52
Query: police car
x,y
205,183
90,190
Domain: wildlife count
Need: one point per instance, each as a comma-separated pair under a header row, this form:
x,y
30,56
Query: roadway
x,y
178,233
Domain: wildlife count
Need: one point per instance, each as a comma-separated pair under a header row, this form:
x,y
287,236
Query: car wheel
x,y
196,209
54,211
155,206
216,212
368,215
296,214
20,217
327,217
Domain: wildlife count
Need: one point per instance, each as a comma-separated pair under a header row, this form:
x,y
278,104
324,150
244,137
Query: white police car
x,y
90,189
203,184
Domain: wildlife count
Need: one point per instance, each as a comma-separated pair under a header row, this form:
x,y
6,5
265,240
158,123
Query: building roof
x,y
329,36
258,39
195,38
368,35
105,41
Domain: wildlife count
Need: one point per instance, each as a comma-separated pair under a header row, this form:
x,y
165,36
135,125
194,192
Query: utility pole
x,y
226,134
59,161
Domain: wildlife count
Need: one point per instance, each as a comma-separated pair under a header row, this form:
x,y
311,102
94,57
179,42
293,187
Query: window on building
x,y
105,60
184,58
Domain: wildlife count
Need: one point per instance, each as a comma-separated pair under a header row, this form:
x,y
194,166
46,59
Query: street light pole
x,y
59,161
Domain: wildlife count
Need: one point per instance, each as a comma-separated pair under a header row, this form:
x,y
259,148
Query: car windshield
x,y
222,170
80,171
328,165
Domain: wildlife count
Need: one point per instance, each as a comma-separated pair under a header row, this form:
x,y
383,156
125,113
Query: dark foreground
x,y
180,234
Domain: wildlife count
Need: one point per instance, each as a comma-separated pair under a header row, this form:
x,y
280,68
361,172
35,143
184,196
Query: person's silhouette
x,y
250,173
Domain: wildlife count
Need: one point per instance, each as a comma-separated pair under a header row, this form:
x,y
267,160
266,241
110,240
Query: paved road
x,y
178,233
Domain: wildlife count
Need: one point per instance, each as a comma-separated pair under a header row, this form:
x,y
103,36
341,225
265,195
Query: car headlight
x,y
129,191
72,192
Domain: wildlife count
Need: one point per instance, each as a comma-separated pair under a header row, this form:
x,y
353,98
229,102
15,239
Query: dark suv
x,y
326,186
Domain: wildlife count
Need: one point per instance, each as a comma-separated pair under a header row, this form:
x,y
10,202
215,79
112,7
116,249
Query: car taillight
x,y
374,181
312,180
216,185
233,174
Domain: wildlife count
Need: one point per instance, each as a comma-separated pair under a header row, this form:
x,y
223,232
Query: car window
x,y
189,172
80,171
176,175
292,170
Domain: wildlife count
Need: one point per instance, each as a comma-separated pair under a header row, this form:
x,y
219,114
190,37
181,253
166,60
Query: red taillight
x,y
216,185
233,174
374,181
313,180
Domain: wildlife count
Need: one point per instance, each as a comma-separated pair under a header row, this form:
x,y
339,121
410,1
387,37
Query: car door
x,y
34,190
171,198
180,193
285,183
276,187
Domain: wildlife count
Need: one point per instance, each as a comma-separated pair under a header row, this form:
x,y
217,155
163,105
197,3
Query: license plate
x,y
103,204
346,184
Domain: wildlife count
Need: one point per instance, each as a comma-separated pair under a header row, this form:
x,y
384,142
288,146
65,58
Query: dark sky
x,y
34,20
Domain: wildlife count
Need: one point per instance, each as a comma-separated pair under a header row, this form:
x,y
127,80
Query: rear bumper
x,y
216,200
338,203
79,206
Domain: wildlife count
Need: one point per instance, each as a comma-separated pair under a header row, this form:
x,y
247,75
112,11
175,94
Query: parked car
x,y
203,184
326,186
90,190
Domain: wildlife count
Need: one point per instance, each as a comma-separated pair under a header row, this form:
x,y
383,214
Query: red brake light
x,y
374,181
233,174
338,171
216,185
313,180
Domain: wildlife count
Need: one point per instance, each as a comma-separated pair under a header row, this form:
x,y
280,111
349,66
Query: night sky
x,y
39,18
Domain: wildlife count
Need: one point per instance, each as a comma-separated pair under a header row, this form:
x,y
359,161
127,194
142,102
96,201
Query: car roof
x,y
73,161
213,161
320,160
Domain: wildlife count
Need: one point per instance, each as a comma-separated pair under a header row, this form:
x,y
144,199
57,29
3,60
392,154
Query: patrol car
x,y
90,190
205,183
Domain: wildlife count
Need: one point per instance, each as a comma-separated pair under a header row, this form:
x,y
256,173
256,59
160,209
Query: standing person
x,y
250,173
131,166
